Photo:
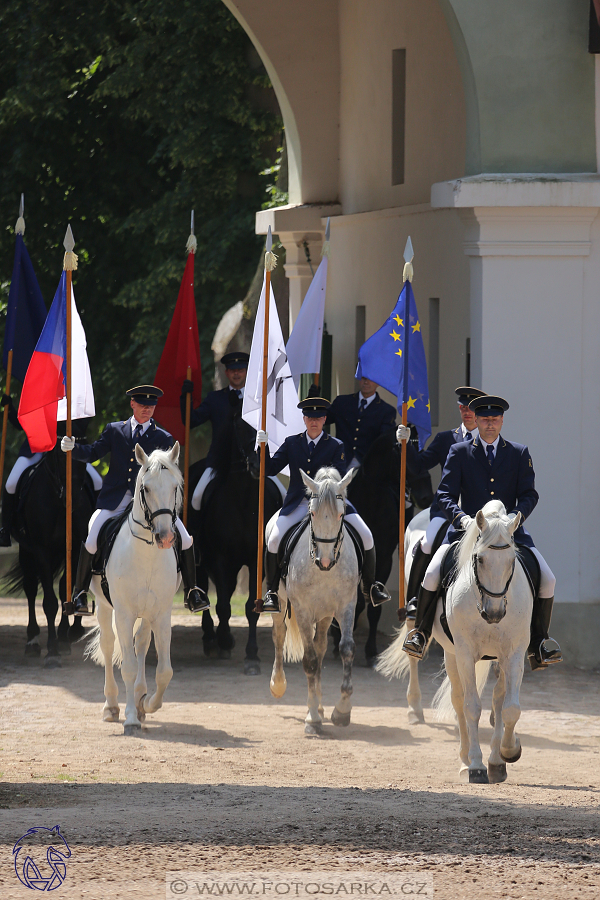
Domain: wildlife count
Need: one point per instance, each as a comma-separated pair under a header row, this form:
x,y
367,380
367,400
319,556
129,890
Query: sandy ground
x,y
223,778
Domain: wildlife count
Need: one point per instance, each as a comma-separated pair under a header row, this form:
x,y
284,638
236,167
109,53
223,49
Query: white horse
x,y
488,609
142,578
320,585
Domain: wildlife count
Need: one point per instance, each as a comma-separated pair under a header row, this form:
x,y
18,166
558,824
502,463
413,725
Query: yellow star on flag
x,y
411,403
428,406
398,352
416,327
399,321
395,336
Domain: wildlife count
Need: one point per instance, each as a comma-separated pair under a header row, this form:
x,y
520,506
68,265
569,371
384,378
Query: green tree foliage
x,y
120,118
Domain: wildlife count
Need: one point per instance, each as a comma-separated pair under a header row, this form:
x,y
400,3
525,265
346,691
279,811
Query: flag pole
x,y
191,248
69,265
407,275
270,263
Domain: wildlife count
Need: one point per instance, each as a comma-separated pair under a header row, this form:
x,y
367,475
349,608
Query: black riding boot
x,y
195,598
82,584
9,501
417,574
539,655
272,575
373,590
417,639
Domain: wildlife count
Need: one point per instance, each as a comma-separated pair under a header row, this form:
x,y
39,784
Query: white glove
x,y
465,522
402,433
262,437
67,444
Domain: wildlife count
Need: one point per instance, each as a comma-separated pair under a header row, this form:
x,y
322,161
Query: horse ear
x,y
481,520
140,455
312,486
348,478
515,523
174,452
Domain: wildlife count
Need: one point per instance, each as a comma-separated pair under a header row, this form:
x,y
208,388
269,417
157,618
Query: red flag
x,y
182,349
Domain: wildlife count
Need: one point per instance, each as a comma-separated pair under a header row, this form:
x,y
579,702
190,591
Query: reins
x,y
336,541
482,589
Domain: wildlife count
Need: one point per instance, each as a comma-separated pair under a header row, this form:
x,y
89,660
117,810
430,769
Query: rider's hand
x,y
67,444
465,522
6,398
402,433
187,387
262,437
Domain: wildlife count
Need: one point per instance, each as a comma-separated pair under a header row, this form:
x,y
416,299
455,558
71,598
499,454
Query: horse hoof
x,y
478,776
224,653
64,648
132,730
512,759
371,661
415,718
251,667
210,648
110,714
33,650
492,719
496,772
314,728
52,662
339,718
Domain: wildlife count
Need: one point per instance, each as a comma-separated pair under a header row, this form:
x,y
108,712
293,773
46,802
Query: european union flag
x,y
394,357
25,315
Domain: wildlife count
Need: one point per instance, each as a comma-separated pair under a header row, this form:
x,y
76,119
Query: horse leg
x,y
458,702
310,664
225,582
208,632
336,636
321,647
413,694
252,662
141,642
373,616
30,585
110,712
50,606
278,683
510,748
164,671
341,712
472,706
496,766
62,632
125,621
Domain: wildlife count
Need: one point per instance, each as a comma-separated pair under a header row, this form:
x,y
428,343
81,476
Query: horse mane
x,y
496,533
328,480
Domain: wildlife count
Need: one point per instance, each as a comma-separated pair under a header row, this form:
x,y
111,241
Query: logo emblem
x,y
28,871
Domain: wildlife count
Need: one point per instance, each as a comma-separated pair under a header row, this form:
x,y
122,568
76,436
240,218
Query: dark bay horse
x,y
40,529
375,493
226,533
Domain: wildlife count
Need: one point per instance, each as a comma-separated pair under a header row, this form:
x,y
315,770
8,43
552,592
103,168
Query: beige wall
x,y
435,109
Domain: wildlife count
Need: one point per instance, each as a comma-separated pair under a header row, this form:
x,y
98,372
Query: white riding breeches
x,y
431,534
208,475
284,523
95,476
431,581
22,463
100,516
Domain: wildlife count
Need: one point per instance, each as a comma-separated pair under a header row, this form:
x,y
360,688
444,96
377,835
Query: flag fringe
x,y
70,261
20,226
270,260
408,273
192,244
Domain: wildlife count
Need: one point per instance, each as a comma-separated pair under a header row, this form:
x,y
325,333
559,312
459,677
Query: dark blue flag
x,y
394,357
25,315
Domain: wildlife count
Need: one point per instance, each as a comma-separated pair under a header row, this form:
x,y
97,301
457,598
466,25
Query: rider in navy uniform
x,y
120,439
488,468
435,455
360,419
310,451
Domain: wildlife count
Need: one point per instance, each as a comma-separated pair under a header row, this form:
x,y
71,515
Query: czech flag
x,y
45,380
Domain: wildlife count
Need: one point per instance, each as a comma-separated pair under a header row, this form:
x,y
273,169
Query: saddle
x,y
525,557
290,540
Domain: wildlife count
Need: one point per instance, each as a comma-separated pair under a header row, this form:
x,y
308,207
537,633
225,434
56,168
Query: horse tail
x,y
293,648
442,702
93,650
394,662
12,583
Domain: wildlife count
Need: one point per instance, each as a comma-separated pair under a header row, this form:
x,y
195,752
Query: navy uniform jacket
x,y
357,430
117,440
468,475
218,408
294,453
435,455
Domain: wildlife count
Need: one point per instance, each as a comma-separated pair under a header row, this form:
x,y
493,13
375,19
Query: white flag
x,y
82,392
283,416
305,342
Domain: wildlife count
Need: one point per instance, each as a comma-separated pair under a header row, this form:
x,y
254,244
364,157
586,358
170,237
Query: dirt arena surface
x,y
223,778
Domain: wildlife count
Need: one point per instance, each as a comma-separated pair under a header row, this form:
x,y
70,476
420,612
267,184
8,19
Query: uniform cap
x,y
314,407
466,394
488,406
237,359
148,394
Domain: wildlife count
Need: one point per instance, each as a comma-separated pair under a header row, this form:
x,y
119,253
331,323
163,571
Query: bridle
x,y
483,590
151,515
336,541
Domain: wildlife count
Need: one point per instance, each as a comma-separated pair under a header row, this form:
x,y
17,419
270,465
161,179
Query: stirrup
x,y
415,644
544,656
80,605
196,600
271,602
378,594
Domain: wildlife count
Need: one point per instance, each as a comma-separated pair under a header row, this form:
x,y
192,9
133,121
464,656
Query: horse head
x,y
327,503
158,493
491,551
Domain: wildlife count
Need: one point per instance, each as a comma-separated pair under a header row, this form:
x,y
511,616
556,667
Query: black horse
x,y
226,533
375,492
40,529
